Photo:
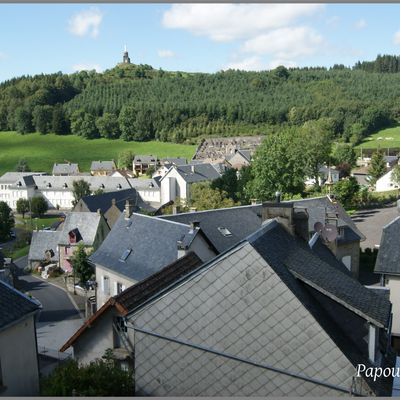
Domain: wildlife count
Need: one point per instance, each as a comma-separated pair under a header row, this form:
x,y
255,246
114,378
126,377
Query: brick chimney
x,y
282,212
128,208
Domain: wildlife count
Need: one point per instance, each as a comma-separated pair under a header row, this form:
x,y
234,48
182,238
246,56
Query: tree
x,y
59,122
202,197
346,190
80,189
99,378
6,220
316,147
377,167
344,153
22,166
227,183
42,118
39,206
108,126
125,159
23,120
23,206
279,165
79,261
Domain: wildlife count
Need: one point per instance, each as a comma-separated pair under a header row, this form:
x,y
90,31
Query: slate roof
x,y
279,248
145,159
106,183
65,168
174,161
87,224
153,243
144,184
14,305
1,259
388,259
317,207
104,201
14,177
240,222
138,294
197,172
42,241
103,166
246,154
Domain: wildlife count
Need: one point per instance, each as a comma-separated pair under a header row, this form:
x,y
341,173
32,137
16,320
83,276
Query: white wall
x,y
113,279
394,286
173,186
385,183
18,358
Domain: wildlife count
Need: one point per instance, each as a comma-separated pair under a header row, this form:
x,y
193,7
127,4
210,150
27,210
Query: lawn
x,y
40,223
42,151
384,139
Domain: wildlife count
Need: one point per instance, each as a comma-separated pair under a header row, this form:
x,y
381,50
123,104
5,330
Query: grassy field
x,y
384,139
42,151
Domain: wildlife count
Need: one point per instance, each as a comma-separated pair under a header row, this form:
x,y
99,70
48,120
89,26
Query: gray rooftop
x,y
14,305
388,260
103,166
198,172
145,159
235,224
13,177
106,183
143,184
65,168
152,242
87,224
43,241
281,250
174,161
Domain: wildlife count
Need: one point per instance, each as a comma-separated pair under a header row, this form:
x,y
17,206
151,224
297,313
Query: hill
x,y
137,102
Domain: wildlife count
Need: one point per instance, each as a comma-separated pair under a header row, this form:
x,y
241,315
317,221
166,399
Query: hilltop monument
x,y
126,59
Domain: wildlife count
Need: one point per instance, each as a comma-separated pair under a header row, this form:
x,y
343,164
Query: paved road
x,y
59,318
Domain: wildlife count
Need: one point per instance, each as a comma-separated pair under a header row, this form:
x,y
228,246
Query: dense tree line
x,y
137,102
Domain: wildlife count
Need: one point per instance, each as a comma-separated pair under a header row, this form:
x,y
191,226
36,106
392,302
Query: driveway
x,y
59,319
371,223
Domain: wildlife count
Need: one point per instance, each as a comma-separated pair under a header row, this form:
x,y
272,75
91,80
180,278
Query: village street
x,y
59,318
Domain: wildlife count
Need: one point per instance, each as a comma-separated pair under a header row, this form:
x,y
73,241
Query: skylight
x,y
224,231
125,255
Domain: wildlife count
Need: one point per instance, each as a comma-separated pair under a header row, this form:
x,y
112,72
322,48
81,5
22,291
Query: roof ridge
x,y
21,294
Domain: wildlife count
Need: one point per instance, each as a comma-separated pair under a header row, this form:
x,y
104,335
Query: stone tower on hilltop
x,y
126,59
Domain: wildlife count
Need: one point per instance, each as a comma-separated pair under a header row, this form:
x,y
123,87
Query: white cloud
x,y
86,22
396,38
227,22
247,64
285,43
86,67
166,53
360,24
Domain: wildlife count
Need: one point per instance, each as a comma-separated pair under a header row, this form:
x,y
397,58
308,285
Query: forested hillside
x,y
137,102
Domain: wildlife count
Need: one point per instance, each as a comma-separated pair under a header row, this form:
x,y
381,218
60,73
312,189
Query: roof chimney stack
x,y
128,209
278,196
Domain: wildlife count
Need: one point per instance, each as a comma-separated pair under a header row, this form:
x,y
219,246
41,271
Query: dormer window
x,y
151,185
125,255
74,236
65,186
19,184
102,186
49,185
119,186
224,231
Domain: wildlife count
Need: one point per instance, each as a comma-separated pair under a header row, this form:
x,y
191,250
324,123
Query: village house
x,y
112,204
388,267
128,254
274,315
57,190
166,164
19,372
175,184
102,168
241,158
386,183
65,169
86,228
141,163
44,248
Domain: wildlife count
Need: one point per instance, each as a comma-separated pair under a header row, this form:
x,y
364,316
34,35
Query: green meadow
x,y
42,151
384,139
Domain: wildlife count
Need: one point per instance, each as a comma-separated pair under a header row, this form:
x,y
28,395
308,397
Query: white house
x,y
177,181
385,183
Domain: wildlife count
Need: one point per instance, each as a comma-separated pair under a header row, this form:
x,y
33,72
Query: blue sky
x,y
192,37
